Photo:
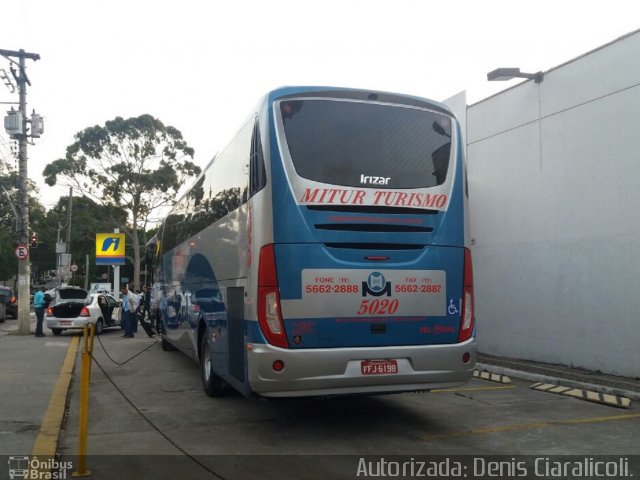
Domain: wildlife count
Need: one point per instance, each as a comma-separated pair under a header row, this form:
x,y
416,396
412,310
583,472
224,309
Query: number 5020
x,y
378,307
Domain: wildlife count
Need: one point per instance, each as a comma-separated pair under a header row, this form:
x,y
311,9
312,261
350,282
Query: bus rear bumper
x,y
337,371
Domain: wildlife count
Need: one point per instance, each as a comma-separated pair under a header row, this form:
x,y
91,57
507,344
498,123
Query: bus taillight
x,y
269,313
467,319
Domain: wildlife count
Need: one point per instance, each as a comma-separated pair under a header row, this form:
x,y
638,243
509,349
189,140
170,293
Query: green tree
x,y
88,218
137,164
43,257
8,233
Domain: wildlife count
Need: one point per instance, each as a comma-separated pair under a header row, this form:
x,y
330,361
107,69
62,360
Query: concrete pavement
x,y
30,370
37,378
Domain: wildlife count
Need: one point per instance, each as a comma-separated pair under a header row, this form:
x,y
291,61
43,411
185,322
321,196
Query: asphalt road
x,y
150,419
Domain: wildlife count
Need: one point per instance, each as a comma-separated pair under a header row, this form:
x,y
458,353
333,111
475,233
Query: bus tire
x,y
212,384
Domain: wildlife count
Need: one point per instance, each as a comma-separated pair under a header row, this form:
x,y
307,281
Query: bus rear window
x,y
367,144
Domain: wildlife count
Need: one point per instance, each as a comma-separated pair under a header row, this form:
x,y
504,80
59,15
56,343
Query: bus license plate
x,y
379,367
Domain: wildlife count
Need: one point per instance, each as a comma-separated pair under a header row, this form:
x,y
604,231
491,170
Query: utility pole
x,y
86,273
59,251
69,208
20,133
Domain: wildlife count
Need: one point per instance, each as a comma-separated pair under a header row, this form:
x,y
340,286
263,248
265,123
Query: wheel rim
x,y
206,361
99,326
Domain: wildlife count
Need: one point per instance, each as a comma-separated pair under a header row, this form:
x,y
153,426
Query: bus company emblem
x,y
376,285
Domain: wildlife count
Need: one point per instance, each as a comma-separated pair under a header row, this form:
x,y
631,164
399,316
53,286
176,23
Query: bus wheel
x,y
212,384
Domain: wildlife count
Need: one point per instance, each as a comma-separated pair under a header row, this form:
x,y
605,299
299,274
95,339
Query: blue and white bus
x,y
324,251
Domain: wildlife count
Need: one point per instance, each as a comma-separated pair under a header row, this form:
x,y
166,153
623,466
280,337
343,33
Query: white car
x,y
72,307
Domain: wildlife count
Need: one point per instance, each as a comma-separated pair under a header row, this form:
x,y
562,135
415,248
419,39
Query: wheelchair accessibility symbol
x,y
453,306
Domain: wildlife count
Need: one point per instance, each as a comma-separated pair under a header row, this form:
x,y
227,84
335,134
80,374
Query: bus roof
x,y
358,94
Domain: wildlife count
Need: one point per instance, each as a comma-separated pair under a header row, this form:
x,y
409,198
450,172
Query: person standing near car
x,y
39,303
126,312
129,307
146,312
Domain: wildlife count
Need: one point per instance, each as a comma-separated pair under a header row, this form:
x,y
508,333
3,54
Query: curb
x,y
588,395
539,378
46,443
490,376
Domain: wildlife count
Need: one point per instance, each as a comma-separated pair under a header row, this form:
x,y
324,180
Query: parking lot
x,y
154,405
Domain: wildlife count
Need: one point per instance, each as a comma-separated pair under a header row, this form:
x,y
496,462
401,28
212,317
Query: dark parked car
x,y
10,301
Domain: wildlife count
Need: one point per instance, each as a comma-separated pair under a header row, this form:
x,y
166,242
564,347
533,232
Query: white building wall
x,y
554,185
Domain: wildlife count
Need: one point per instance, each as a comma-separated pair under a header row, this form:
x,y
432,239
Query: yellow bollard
x,y
84,403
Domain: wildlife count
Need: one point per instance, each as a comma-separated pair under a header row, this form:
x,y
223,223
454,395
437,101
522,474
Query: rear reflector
x,y
269,314
467,319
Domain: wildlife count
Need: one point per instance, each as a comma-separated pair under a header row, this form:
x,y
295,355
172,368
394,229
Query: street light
x,y
503,74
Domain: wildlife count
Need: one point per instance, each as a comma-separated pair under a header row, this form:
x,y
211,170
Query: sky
x,y
201,65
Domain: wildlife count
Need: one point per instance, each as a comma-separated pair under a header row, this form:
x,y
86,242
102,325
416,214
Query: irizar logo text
x,y
368,179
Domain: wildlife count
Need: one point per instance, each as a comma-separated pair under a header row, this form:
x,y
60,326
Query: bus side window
x,y
258,176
